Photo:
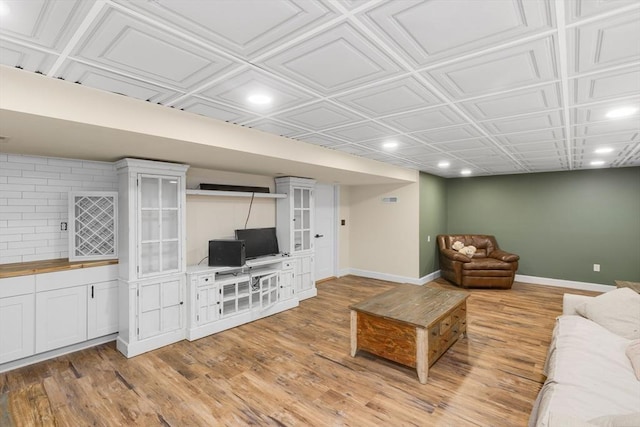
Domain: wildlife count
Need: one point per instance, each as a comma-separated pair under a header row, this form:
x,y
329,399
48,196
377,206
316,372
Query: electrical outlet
x,y
63,226
596,267
428,238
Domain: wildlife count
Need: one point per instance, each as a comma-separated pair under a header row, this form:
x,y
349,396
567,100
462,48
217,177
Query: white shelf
x,y
217,193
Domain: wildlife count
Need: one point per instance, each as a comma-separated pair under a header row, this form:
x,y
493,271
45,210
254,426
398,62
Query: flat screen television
x,y
259,241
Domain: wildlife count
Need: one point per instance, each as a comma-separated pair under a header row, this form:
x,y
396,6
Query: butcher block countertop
x,y
48,266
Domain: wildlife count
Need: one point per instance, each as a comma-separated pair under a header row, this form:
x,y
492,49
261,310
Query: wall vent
x,y
389,200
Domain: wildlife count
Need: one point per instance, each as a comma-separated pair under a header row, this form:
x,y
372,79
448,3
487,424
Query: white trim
x,y
564,283
390,277
8,366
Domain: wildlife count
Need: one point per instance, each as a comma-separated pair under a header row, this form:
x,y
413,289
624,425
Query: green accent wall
x,y
433,220
560,223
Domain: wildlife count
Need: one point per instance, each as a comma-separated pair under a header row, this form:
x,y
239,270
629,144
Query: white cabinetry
x,y
295,230
224,297
45,315
61,318
152,254
17,318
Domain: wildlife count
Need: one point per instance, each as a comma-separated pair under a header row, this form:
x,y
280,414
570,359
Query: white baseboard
x,y
585,286
390,277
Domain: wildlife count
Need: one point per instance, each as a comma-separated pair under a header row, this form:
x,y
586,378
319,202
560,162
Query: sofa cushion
x,y
633,353
617,310
589,374
486,264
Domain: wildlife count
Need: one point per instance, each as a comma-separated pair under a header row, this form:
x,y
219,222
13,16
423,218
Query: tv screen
x,y
259,241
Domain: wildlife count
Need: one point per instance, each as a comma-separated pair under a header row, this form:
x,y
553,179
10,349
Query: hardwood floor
x,y
294,368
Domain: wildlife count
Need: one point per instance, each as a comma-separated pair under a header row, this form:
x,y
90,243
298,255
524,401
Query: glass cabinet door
x,y
159,224
301,219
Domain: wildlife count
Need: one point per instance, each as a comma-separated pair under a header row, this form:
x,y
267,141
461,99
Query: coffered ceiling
x,y
492,86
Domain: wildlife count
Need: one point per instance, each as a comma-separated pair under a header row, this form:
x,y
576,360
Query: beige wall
x,y
215,217
383,237
344,213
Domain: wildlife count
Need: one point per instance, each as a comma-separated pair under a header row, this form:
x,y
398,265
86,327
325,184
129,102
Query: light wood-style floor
x,y
294,368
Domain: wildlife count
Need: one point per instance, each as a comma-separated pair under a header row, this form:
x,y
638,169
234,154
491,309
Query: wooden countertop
x,y
48,266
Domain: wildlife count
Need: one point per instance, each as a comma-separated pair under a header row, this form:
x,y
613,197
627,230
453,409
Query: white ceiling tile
x,y
323,140
44,23
468,144
580,9
448,134
604,43
244,28
549,146
524,101
423,31
598,112
120,42
14,55
613,84
214,110
111,82
275,127
361,132
235,91
520,65
335,60
621,137
390,98
353,149
431,118
610,127
535,136
545,120
319,116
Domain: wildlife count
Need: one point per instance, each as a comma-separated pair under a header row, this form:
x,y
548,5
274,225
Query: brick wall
x,y
34,201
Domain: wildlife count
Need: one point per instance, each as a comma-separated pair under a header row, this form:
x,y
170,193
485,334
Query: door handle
x,y
318,235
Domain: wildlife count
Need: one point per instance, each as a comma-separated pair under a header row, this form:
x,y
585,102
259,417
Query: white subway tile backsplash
x,y
17,230
34,199
21,180
3,246
49,168
32,160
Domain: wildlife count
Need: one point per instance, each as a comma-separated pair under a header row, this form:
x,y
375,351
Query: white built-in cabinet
x,y
294,216
44,315
151,203
224,297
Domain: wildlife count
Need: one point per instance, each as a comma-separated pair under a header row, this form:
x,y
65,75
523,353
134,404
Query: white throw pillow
x,y
617,311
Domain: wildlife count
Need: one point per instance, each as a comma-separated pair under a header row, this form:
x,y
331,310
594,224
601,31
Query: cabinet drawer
x,y
205,279
14,286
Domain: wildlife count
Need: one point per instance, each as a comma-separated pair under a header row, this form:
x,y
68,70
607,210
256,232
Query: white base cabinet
x,y
45,315
61,318
224,297
152,314
17,320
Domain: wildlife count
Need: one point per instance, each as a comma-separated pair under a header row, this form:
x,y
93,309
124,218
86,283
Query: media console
x,y
220,298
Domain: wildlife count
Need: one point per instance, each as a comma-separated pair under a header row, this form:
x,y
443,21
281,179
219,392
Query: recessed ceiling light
x,y
597,163
443,164
4,9
390,145
465,172
603,150
259,99
621,112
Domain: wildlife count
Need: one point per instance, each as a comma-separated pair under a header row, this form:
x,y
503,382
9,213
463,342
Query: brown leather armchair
x,y
489,267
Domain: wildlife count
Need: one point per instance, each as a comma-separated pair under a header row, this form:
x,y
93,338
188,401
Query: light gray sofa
x,y
590,379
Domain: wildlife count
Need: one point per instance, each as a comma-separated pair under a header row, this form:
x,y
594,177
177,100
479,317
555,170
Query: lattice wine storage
x,y
93,225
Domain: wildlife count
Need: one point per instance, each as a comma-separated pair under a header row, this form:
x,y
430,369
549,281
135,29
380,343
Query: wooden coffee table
x,y
411,325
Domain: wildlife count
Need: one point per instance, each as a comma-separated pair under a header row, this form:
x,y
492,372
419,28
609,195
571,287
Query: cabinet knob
x,y
318,236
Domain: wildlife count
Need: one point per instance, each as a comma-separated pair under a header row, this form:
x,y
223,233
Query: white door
x,y
102,309
61,318
325,231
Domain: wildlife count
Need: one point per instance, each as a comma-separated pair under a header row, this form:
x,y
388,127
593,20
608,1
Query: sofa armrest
x,y
571,301
454,255
504,256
